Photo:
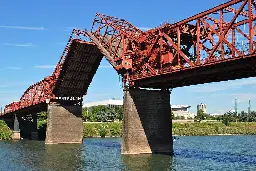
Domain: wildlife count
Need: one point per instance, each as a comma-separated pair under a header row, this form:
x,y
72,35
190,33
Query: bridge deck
x,y
72,80
237,68
78,69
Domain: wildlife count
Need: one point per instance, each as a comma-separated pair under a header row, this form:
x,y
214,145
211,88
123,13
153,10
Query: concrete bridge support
x,y
12,122
147,124
64,124
16,129
34,133
28,126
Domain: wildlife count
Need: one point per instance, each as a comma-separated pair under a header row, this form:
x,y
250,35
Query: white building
x,y
201,107
182,111
109,102
178,110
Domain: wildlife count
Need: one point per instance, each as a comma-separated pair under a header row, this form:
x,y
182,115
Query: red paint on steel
x,y
180,52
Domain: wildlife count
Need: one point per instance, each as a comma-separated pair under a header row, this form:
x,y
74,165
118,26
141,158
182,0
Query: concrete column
x,y
16,129
147,124
34,133
64,124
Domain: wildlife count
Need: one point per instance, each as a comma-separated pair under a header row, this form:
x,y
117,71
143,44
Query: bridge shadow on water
x,y
148,162
62,157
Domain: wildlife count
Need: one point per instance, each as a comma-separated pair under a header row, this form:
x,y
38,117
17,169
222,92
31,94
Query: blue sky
x,y
34,33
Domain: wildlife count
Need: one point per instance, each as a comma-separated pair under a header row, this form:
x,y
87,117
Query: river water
x,y
190,153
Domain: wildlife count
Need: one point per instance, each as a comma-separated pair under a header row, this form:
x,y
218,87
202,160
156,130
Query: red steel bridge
x,y
215,45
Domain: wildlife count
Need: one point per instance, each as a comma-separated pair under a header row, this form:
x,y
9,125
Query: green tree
x,y
218,118
42,116
243,116
102,114
88,114
200,115
252,116
173,117
119,113
228,117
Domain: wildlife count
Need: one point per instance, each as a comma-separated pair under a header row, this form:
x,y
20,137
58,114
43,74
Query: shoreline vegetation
x,y
106,121
5,131
114,129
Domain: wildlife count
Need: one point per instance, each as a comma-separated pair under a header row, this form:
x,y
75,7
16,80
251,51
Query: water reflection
x,y
62,157
190,153
148,162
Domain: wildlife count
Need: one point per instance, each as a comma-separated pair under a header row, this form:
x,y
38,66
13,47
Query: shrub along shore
x,y
114,129
5,132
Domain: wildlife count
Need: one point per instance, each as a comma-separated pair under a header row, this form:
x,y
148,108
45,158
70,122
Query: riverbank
x,y
102,129
201,129
114,129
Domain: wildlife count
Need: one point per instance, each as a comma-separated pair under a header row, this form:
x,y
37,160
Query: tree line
x,y
102,114
228,117
110,114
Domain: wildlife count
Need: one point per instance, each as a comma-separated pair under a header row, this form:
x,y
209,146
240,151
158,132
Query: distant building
x,y
109,103
178,110
182,111
201,107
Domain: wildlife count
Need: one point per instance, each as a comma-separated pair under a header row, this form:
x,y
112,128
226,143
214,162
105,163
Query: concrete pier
x,y
16,129
34,133
147,124
64,124
28,126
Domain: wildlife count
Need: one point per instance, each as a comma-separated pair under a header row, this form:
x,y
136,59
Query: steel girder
x,y
220,34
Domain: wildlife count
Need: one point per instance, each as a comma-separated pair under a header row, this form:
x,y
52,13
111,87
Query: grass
x,y
190,129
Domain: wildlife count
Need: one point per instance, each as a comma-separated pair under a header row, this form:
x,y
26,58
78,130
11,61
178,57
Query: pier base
x,y
16,135
16,129
64,124
147,124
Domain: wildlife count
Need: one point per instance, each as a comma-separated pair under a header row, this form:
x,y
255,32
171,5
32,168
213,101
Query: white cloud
x,y
45,66
10,68
13,68
19,45
23,27
214,87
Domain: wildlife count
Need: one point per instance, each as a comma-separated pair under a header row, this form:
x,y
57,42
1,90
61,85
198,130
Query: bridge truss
x,y
220,41
221,34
